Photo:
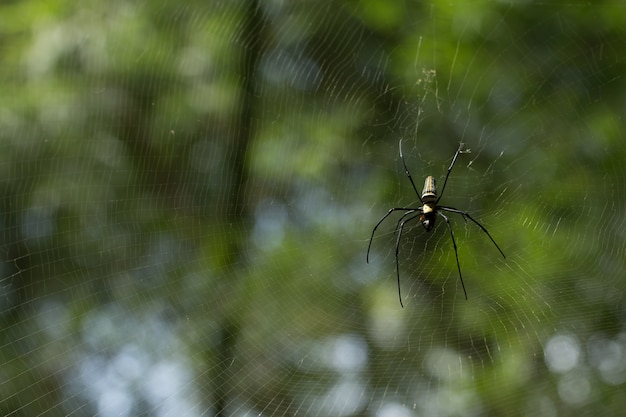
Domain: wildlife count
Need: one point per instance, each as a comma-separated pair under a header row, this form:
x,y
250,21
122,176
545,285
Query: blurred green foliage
x,y
189,189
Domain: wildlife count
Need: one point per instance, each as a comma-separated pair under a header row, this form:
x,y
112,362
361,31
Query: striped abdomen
x,y
429,194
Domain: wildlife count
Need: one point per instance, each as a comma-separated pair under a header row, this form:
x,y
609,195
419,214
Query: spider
x,y
427,214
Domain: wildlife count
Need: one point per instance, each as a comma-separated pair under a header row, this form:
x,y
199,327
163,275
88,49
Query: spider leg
x,y
458,151
401,227
391,210
466,215
408,213
408,174
456,253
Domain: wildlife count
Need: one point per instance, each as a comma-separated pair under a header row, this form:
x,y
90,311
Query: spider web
x,y
189,191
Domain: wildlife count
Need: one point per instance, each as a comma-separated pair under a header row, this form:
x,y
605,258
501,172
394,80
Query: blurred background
x,y
189,190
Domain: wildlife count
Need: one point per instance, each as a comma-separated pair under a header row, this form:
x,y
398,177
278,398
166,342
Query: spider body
x,y
429,204
427,214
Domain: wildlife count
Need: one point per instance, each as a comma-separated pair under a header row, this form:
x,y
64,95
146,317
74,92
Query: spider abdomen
x,y
429,193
